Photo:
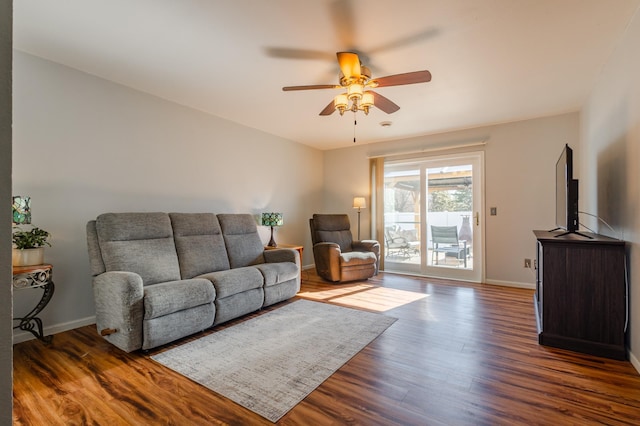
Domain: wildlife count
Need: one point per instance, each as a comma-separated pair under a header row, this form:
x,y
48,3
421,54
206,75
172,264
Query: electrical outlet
x,y
527,263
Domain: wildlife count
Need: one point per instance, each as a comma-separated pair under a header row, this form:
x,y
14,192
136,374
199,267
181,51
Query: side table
x,y
288,246
31,277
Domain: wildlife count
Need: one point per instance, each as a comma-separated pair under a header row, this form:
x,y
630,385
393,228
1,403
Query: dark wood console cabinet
x,y
581,294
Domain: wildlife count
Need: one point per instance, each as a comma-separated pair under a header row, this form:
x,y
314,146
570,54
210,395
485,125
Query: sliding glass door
x,y
432,223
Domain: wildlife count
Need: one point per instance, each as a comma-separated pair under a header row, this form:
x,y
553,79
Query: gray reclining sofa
x,y
158,277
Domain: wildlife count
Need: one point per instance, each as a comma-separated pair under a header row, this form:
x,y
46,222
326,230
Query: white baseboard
x,y
529,286
634,361
20,336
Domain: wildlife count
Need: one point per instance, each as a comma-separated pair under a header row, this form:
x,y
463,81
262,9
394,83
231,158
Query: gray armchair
x,y
337,256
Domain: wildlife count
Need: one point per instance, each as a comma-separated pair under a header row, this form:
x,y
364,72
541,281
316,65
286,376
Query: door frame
x,y
477,273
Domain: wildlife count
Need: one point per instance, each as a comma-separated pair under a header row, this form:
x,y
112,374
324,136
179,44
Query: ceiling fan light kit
x,y
360,100
356,79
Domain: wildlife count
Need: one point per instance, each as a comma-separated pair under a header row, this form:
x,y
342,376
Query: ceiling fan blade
x,y
400,79
343,16
291,53
415,38
349,64
328,110
310,87
383,103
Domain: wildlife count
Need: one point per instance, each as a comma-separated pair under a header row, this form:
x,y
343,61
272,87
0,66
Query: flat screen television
x,y
566,192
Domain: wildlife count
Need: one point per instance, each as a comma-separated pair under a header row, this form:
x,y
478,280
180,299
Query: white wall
x,y
6,346
610,159
84,146
520,162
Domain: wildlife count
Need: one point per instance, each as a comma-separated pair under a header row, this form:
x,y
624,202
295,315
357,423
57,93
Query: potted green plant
x,y
28,246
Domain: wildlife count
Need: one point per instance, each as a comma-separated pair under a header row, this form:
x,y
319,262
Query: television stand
x,y
581,293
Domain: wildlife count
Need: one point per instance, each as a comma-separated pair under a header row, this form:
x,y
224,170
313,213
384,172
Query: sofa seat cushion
x,y
276,273
173,296
357,258
234,281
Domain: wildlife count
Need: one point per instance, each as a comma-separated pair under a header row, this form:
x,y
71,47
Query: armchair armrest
x,y
368,245
119,301
327,257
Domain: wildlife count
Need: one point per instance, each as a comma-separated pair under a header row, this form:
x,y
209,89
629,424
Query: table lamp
x,y
21,207
272,219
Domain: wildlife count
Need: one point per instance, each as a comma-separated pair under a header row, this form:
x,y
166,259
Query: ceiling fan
x,y
356,79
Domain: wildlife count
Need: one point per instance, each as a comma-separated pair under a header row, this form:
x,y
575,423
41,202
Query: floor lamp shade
x,y
359,203
21,207
272,219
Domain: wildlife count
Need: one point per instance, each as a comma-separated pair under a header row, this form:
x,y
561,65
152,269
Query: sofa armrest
x,y
327,258
119,301
282,255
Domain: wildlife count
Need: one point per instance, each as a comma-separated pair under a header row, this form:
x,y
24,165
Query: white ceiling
x,y
492,61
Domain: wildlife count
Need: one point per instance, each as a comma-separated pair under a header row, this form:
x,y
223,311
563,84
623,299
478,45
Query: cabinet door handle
x,y
477,219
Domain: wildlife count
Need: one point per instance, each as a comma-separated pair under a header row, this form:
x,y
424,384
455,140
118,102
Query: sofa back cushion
x,y
241,238
199,243
138,242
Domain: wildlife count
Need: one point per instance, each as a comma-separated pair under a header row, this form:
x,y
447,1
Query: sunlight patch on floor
x,y
365,296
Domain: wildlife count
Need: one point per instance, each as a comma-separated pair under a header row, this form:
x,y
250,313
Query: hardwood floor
x,y
459,354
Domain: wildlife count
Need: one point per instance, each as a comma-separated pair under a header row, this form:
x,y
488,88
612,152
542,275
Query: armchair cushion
x,y
353,258
333,228
341,238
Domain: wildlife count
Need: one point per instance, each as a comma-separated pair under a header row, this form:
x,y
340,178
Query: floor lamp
x,y
359,203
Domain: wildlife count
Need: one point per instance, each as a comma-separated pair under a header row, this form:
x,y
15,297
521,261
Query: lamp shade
x,y
359,203
367,99
272,219
21,207
341,101
355,91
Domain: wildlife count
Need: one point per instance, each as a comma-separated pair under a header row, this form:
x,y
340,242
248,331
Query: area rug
x,y
270,363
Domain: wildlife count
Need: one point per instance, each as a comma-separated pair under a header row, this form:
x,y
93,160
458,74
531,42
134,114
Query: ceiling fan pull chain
x,y
355,122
